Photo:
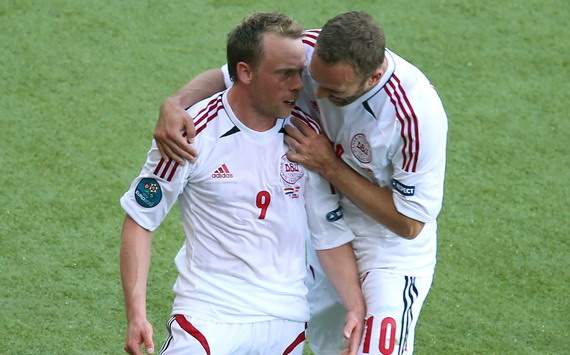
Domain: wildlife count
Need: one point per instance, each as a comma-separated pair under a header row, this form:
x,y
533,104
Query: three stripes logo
x,y
222,173
166,169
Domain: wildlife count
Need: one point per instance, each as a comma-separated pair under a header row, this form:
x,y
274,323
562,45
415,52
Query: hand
x,y
174,132
352,332
139,332
308,147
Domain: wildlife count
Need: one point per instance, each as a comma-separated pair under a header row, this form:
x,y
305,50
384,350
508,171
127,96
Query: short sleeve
x,y
327,225
419,160
153,193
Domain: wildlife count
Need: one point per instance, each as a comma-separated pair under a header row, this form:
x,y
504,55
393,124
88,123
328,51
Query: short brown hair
x,y
354,38
244,41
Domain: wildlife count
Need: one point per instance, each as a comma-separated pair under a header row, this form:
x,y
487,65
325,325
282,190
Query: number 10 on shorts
x,y
387,336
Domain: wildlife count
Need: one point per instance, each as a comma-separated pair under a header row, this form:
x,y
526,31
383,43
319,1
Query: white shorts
x,y
393,305
187,336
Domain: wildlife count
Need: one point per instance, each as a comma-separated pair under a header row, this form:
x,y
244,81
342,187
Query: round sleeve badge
x,y
148,193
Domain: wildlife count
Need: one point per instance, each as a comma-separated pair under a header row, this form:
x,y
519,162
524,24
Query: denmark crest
x,y
290,172
361,148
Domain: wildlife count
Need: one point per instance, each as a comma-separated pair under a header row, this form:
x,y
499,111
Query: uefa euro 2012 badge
x,y
148,193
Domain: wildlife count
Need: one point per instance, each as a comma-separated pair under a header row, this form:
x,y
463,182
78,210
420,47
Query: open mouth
x,y
290,102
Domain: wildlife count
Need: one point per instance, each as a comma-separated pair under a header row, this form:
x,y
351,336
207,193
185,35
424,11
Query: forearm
x,y
340,266
202,86
374,200
135,261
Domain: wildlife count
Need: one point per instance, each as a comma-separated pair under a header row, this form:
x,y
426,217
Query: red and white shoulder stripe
x,y
409,130
208,113
308,120
310,37
166,169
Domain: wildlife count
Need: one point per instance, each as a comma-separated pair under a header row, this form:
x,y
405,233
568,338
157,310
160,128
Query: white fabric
x,y
187,335
393,308
387,295
370,131
238,265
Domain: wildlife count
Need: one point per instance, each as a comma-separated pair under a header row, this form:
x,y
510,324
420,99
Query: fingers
x,y
148,343
161,149
292,143
352,332
305,129
181,150
190,129
167,154
176,149
294,157
139,333
132,348
293,132
174,132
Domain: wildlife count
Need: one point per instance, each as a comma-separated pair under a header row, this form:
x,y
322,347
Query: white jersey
x,y
244,216
395,136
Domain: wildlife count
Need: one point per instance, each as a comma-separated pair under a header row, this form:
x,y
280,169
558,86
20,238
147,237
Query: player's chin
x,y
286,109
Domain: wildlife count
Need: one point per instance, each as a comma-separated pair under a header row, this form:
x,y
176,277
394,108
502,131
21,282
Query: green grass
x,y
81,82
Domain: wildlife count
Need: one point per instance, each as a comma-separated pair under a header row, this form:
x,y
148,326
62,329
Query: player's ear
x,y
375,77
244,72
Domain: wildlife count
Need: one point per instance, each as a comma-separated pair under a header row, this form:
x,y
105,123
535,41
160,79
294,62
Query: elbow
x,y
411,229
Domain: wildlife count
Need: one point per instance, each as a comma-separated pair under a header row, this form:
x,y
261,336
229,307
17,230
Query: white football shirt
x,y
393,135
246,211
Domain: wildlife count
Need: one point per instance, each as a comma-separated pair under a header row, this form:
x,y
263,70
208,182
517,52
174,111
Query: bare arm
x,y
315,152
173,121
340,266
135,261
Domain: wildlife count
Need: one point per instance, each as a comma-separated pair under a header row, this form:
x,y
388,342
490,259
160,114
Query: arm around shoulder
x,y
174,130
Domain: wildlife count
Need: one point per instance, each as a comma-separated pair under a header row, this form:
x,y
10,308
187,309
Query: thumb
x,y
348,329
352,335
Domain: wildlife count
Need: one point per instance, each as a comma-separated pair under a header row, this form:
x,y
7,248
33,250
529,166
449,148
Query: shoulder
x,y
205,106
310,37
408,78
205,111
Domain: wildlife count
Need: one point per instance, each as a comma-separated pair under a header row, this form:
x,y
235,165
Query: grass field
x,y
81,83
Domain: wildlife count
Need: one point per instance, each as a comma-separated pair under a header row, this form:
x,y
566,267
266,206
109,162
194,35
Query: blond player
x,y
247,211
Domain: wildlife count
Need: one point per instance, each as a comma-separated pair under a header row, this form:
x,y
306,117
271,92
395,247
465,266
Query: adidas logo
x,y
222,173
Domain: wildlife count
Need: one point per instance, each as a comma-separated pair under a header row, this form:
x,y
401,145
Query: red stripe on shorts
x,y
300,339
190,329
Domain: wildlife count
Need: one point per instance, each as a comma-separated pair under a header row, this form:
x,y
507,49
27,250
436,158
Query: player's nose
x,y
297,83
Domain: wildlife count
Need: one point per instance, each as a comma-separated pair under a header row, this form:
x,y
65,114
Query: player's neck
x,y
245,111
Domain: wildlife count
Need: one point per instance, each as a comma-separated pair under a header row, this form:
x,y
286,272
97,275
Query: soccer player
x,y
388,132
246,211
